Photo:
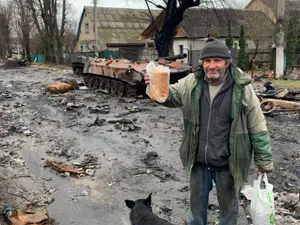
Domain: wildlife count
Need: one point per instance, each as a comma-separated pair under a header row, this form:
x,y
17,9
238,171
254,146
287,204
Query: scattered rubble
x,y
287,206
273,100
63,167
131,110
296,155
104,109
125,124
23,217
150,158
98,122
86,167
13,63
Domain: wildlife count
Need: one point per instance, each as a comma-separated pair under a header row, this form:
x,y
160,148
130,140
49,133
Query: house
x,y
269,8
199,23
118,28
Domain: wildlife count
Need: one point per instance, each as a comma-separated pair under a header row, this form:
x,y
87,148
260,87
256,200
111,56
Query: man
x,y
223,127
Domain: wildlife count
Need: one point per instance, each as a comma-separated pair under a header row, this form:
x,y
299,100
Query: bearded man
x,y
223,128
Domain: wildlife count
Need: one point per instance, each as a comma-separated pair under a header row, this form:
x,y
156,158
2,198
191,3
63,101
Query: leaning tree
x,y
173,11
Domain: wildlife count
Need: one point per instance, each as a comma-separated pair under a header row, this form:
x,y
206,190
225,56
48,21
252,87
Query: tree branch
x,y
156,5
63,22
189,3
35,17
152,17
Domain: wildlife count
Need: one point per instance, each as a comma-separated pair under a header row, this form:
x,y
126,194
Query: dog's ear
x,y
148,200
129,203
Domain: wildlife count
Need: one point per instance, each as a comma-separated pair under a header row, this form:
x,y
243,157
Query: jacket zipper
x,y
207,130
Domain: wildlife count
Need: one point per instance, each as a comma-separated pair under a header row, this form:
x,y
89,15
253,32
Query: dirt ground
x,y
129,155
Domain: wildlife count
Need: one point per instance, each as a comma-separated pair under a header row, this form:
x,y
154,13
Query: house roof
x,y
272,4
292,5
119,25
269,3
199,22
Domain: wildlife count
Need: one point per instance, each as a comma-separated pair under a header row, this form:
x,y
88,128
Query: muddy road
x,y
129,146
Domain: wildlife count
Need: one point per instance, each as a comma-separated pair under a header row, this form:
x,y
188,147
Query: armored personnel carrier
x,y
78,64
123,77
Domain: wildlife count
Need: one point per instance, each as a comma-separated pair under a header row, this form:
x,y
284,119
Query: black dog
x,y
141,213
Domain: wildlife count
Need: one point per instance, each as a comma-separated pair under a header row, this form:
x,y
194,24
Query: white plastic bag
x,y
262,202
158,89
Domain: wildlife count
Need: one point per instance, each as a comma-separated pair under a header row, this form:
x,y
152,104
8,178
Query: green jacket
x,y
248,133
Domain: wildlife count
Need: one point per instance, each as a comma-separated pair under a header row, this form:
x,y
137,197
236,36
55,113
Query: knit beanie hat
x,y
213,48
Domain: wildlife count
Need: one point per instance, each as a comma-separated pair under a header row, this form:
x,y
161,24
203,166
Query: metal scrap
x,y
104,109
97,122
20,217
269,105
282,93
63,168
131,110
124,124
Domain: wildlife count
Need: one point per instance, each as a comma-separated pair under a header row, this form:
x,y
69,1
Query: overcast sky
x,y
78,4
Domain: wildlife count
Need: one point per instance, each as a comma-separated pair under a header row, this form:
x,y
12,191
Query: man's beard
x,y
216,79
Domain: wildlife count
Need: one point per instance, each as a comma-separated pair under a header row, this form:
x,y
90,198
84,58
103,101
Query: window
x,y
86,28
180,49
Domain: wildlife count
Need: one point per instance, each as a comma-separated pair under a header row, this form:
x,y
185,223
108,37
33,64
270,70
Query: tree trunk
x,y
164,39
61,34
26,46
24,26
164,42
5,18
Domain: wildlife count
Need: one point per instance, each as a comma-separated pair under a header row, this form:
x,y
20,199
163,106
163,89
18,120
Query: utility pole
x,y
279,42
96,27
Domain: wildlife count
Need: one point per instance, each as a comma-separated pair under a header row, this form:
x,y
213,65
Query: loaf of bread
x,y
159,85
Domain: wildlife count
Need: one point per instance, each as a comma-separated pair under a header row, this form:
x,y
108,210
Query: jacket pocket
x,y
217,153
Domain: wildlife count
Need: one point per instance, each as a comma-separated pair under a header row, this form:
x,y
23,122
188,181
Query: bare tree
x,y
5,30
60,33
173,15
173,11
42,15
22,25
261,31
45,16
70,37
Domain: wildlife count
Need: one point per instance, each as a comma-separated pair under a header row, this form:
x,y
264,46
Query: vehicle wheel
x,y
86,81
130,91
101,84
114,87
94,83
120,89
107,86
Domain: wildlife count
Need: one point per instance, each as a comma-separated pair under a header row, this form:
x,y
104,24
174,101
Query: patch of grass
x,y
293,84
